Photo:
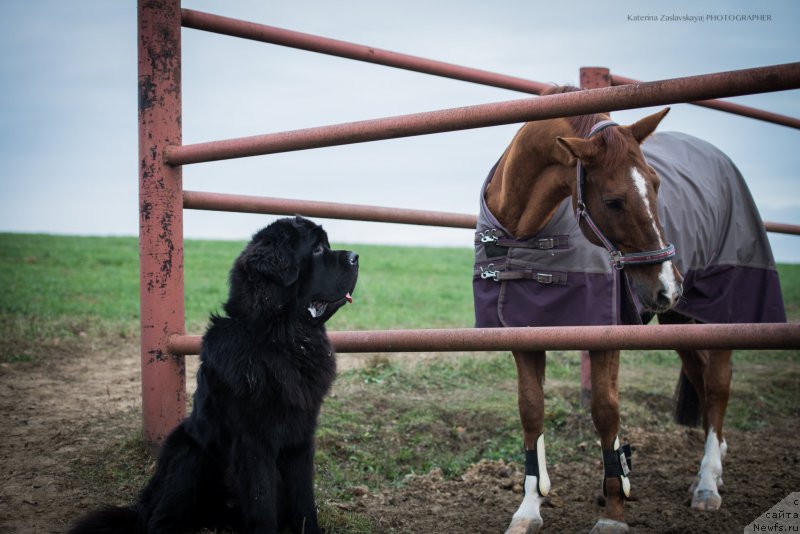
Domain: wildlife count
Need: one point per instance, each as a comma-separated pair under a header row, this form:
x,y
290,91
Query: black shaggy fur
x,y
243,459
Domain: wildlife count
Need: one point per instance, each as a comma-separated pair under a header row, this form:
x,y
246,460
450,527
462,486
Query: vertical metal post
x,y
590,78
595,77
160,218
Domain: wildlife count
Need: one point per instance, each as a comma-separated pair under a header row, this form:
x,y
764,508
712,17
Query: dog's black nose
x,y
352,258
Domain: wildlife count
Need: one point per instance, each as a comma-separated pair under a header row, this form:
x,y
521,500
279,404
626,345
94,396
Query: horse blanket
x,y
559,278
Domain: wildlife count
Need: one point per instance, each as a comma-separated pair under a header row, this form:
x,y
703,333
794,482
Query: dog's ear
x,y
276,261
262,278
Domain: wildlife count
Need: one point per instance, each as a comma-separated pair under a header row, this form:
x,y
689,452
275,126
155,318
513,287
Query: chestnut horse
x,y
614,191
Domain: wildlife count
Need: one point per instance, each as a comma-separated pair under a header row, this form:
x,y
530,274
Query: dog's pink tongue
x,y
349,298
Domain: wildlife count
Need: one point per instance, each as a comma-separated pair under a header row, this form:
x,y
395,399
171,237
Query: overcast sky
x,y
68,119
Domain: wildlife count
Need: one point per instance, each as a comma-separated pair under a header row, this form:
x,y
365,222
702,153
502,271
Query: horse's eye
x,y
319,249
614,204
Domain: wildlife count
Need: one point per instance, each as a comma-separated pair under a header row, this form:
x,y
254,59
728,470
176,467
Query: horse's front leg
x,y
616,459
530,378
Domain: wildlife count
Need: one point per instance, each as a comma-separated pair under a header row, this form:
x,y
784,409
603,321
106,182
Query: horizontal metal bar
x,y
707,336
330,210
732,83
728,107
782,228
201,200
313,43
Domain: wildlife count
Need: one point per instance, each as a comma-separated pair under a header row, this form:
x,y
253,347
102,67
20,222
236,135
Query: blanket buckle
x,y
546,243
488,273
488,236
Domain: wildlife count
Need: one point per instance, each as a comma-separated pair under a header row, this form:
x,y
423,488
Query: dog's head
x,y
288,269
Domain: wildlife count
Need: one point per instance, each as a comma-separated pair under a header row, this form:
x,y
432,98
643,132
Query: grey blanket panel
x,y
705,206
580,256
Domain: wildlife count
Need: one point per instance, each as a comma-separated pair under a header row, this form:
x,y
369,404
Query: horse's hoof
x,y
609,526
706,500
696,482
525,525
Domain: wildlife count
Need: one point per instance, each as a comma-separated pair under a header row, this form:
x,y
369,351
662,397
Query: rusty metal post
x,y
160,218
590,78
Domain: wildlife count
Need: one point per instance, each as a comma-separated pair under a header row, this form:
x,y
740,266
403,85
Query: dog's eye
x,y
319,249
614,204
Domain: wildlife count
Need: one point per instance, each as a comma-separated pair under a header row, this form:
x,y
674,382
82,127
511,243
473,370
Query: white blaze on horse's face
x,y
641,187
671,287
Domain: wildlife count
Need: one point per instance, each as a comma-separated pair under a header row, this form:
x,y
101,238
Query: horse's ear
x,y
642,128
575,148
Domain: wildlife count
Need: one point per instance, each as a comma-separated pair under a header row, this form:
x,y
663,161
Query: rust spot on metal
x,y
146,93
166,225
154,4
146,210
158,355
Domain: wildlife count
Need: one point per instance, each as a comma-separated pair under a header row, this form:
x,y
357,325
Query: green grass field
x,y
82,280
77,282
385,419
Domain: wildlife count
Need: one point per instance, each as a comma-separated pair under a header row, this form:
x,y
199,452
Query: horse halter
x,y
618,259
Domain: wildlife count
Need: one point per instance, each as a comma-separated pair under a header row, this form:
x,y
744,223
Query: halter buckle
x,y
616,260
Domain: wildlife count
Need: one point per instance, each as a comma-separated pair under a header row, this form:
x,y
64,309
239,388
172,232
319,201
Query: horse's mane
x,y
616,144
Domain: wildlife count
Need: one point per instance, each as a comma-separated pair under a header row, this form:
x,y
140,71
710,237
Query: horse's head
x,y
619,191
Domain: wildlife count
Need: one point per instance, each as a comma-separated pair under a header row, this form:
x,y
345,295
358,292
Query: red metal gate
x,y
162,198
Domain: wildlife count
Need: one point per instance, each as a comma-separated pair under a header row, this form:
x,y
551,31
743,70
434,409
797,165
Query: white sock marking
x,y
544,483
529,509
711,466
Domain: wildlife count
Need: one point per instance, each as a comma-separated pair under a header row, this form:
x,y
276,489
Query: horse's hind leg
x,y
709,373
716,374
530,395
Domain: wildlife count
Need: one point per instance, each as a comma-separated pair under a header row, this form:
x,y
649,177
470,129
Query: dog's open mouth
x,y
317,308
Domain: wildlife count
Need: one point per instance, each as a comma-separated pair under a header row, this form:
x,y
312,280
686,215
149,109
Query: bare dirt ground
x,y
762,470
53,416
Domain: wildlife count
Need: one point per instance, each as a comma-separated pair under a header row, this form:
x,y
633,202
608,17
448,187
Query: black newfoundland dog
x,y
244,457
